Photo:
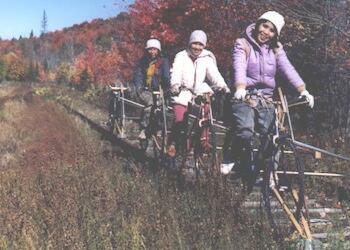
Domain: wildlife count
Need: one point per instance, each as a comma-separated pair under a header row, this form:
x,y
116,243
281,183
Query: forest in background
x,y
97,53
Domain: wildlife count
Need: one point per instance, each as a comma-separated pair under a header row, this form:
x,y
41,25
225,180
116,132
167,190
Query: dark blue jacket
x,y
162,75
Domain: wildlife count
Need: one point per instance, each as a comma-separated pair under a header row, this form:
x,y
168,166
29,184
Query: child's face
x,y
196,48
266,32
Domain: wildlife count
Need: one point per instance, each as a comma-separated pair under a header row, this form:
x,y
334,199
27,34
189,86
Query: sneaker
x,y
142,135
171,150
273,183
159,134
283,188
225,168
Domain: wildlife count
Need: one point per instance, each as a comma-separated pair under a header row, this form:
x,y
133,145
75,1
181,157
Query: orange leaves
x,y
106,71
100,67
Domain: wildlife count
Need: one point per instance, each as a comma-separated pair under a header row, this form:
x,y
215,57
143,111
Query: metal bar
x,y
123,115
164,114
168,108
132,103
304,222
310,174
296,104
132,117
220,133
215,122
289,120
288,212
301,144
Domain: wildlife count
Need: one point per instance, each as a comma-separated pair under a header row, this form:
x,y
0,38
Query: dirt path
x,y
45,134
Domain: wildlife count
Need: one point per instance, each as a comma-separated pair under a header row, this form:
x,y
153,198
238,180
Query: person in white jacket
x,y
191,68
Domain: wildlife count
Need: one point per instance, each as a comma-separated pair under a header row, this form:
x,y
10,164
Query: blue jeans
x,y
247,117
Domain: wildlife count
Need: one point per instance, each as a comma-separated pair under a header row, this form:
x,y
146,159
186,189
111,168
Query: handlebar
x,y
299,101
121,88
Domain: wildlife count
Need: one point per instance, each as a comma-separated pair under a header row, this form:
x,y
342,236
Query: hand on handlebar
x,y
174,91
223,90
308,97
240,94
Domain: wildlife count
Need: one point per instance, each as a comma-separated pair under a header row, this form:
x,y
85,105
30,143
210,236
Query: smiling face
x,y
265,33
196,48
153,52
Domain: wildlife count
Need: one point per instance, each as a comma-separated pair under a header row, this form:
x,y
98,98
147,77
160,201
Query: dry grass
x,y
63,188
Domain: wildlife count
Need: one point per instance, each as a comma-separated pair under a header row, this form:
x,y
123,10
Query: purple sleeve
x,y
239,64
287,69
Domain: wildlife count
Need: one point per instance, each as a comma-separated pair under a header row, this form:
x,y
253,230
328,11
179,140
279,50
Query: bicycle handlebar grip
x,y
114,88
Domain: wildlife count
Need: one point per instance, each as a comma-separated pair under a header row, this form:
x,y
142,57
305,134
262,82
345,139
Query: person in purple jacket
x,y
257,58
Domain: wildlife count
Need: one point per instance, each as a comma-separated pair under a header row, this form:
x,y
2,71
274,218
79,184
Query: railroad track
x,y
323,217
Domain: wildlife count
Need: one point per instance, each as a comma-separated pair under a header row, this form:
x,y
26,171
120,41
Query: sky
x,y
19,17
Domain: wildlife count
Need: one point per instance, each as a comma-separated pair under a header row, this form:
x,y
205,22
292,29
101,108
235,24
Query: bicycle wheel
x,y
115,117
158,136
280,186
151,128
205,149
185,146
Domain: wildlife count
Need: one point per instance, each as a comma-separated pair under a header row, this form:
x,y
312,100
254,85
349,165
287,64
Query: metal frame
x,y
285,108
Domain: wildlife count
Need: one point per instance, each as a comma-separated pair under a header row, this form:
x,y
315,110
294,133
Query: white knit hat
x,y
198,36
153,43
274,17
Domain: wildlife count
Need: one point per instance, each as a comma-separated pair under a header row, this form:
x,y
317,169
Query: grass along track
x,y
325,217
93,193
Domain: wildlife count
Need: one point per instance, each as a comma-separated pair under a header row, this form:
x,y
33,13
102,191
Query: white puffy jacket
x,y
192,75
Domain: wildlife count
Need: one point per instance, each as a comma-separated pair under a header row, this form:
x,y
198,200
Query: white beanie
x,y
274,17
153,43
198,36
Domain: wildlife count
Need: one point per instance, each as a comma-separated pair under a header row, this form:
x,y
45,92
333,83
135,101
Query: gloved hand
x,y
308,97
240,94
226,90
175,91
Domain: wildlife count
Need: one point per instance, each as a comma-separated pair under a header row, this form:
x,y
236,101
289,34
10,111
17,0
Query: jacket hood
x,y
204,53
249,35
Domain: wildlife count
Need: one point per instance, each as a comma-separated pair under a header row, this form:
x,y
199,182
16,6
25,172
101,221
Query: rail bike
x,y
202,139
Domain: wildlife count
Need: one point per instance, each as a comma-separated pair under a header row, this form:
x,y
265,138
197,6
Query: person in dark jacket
x,y
257,58
152,71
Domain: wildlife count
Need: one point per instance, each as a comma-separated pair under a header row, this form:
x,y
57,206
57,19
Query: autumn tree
x,y
63,73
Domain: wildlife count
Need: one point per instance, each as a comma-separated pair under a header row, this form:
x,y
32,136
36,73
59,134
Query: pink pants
x,y
179,111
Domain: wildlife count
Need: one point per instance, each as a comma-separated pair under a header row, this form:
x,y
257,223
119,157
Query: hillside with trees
x,y
67,182
100,52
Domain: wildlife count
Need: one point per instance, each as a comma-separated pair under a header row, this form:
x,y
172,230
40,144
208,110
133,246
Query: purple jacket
x,y
258,69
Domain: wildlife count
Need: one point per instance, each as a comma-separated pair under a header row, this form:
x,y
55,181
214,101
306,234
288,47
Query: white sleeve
x,y
176,74
214,76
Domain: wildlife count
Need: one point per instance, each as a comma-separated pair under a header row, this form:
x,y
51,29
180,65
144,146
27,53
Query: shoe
x,y
171,150
225,168
142,135
273,177
159,134
283,188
